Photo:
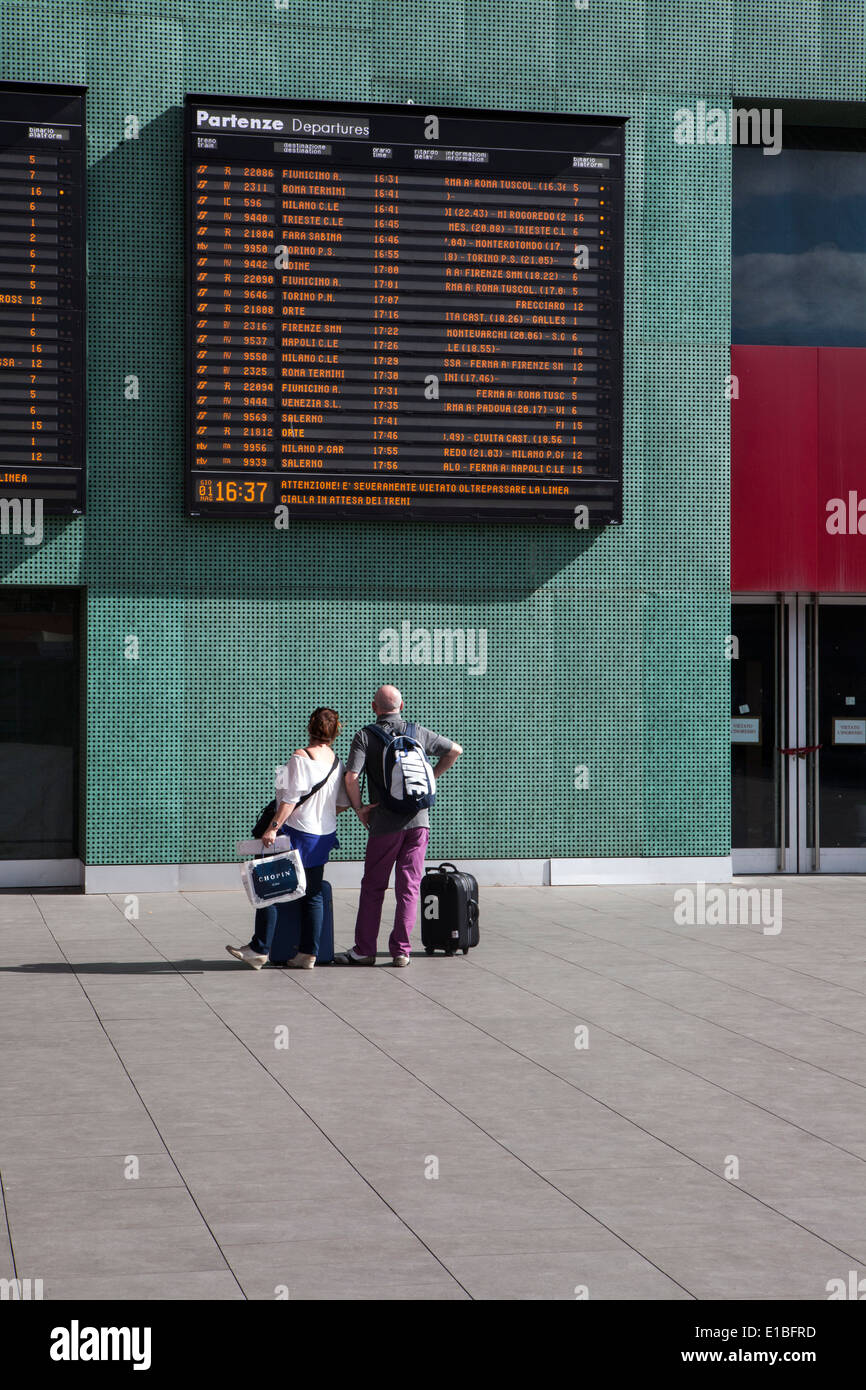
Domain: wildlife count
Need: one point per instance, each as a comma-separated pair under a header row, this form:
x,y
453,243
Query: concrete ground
x,y
596,1102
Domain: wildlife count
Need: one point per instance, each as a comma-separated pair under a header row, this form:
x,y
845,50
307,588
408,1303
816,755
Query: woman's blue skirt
x,y
313,849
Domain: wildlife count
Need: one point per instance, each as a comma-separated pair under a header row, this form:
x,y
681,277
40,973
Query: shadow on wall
x,y
137,539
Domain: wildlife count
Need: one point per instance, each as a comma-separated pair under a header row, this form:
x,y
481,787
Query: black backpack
x,y
407,775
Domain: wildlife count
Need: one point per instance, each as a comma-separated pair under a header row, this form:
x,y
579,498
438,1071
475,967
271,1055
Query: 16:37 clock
x,y
230,490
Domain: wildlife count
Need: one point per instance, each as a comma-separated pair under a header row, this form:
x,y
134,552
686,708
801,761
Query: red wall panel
x,y
842,468
798,441
774,473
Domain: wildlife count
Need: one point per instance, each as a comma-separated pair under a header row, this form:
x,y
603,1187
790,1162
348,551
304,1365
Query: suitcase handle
x,y
443,868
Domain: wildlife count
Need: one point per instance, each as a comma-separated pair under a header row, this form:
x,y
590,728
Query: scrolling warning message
x,y
42,270
402,311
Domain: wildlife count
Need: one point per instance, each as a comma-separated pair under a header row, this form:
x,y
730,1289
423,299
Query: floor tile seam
x,y
147,1111
276,1080
658,1139
686,1013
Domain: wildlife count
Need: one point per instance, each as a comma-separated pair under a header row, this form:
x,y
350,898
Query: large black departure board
x,y
42,274
403,311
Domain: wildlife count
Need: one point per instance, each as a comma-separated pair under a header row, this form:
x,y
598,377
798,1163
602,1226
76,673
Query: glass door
x,y
836,793
39,725
758,828
798,734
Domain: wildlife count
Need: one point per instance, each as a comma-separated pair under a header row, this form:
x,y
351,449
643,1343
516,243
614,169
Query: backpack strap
x,y
411,731
384,735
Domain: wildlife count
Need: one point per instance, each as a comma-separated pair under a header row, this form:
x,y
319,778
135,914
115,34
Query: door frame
x,y
842,859
771,859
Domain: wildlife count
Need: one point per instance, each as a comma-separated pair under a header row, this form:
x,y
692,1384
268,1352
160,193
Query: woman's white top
x,y
318,815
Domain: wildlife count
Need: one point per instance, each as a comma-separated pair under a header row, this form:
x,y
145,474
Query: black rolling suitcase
x,y
449,910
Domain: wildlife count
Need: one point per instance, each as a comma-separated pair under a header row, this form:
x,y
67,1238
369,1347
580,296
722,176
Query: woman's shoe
x,y
247,956
301,962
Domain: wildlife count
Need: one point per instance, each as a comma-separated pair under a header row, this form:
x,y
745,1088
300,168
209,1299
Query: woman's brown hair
x,y
324,724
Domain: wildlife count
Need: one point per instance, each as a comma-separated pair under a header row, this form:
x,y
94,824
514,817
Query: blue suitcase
x,y
287,932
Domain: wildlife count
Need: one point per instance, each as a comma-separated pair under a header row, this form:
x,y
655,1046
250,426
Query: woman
x,y
309,794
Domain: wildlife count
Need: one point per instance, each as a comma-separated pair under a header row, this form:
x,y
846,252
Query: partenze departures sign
x,y
399,311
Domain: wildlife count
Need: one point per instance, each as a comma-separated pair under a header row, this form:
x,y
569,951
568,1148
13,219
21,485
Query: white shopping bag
x,y
277,878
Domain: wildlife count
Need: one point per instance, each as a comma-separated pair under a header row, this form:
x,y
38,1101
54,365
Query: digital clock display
x,y
42,274
218,489
402,310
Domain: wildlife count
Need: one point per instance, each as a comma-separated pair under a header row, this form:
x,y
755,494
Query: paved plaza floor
x,y
597,1102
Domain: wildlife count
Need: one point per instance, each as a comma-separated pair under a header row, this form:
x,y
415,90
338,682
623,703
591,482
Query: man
x,y
396,841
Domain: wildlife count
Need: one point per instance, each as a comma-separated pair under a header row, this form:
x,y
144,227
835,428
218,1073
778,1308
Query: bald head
x,y
387,700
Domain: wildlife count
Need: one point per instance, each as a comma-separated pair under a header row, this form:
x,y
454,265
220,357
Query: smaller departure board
x,y
42,277
403,311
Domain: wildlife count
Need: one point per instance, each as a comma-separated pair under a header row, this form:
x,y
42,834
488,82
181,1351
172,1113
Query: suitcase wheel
x,y
466,950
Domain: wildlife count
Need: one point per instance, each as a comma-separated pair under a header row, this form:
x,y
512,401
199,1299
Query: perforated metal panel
x,y
604,650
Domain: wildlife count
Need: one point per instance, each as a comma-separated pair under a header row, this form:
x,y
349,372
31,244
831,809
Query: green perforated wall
x,y
604,650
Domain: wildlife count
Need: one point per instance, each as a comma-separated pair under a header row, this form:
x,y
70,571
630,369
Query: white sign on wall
x,y
849,730
746,730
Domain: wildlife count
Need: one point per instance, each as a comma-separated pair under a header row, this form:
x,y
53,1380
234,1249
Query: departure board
x,y
403,311
42,273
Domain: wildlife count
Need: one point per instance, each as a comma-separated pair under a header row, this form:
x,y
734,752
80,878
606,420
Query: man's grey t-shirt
x,y
384,821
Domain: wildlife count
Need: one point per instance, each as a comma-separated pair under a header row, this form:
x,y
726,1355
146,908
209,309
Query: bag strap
x,y
318,787
411,731
386,738
384,735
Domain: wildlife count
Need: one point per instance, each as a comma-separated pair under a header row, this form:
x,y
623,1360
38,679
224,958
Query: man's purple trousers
x,y
403,851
